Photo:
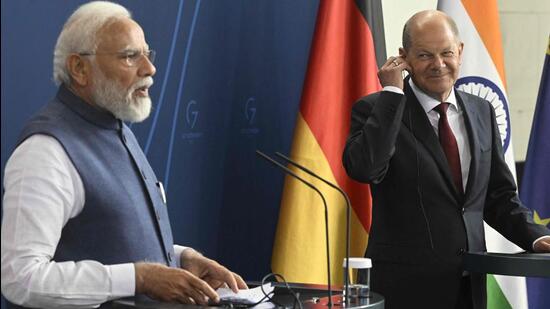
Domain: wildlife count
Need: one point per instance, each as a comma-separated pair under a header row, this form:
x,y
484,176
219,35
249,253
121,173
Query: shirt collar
x,y
87,111
428,103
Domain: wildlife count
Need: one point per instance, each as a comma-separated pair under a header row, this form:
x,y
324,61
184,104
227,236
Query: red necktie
x,y
449,145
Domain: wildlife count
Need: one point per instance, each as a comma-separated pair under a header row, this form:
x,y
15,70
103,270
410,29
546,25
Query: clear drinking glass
x,y
359,275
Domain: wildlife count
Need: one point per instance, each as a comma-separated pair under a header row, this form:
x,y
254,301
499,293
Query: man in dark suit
x,y
434,159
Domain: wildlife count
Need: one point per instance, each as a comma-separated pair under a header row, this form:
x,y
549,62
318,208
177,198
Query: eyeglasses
x,y
131,57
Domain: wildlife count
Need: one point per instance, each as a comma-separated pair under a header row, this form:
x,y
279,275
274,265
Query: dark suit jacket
x,y
421,225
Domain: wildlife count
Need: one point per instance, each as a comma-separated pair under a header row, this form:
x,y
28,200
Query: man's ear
x,y
402,53
408,68
460,49
79,70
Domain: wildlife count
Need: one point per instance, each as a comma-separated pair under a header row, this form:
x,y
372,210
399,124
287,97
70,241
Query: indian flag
x,y
342,68
482,73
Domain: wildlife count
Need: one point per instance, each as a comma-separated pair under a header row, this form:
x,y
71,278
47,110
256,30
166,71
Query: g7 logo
x,y
250,111
191,114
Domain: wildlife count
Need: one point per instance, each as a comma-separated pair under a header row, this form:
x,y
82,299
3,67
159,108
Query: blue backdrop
x,y
229,79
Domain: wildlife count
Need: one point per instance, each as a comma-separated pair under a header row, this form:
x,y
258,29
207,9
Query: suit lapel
x,y
470,121
415,116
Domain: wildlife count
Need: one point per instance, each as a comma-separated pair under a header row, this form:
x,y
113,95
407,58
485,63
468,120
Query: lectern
x,y
518,264
311,295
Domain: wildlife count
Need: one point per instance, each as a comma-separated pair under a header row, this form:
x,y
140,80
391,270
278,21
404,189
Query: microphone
x,y
348,211
291,173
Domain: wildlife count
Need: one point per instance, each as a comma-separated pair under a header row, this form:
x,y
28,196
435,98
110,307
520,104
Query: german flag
x,y
342,68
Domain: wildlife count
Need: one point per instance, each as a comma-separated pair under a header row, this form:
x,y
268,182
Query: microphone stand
x,y
348,211
291,173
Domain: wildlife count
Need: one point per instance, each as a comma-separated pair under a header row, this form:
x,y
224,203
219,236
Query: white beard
x,y
109,95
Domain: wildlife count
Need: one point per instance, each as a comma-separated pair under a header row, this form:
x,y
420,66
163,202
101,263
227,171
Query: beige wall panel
x,y
525,6
525,28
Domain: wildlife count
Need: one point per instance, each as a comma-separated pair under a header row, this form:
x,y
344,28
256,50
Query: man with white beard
x,y
84,217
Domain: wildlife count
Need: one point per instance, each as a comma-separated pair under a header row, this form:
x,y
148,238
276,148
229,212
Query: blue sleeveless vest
x,y
124,217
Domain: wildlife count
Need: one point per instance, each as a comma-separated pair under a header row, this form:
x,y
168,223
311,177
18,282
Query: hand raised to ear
x,y
391,73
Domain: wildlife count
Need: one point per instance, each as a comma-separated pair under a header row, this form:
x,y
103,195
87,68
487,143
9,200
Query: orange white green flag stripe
x,y
482,73
342,68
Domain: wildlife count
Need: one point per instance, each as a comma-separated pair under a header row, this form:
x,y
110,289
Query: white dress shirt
x,y
455,116
43,190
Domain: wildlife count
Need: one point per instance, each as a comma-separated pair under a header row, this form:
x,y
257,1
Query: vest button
x,y
461,251
463,210
169,256
124,138
158,215
143,174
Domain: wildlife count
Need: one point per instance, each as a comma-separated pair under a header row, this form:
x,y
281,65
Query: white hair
x,y
79,34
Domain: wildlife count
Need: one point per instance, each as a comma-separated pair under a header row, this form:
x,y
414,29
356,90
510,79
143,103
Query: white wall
x,y
525,27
